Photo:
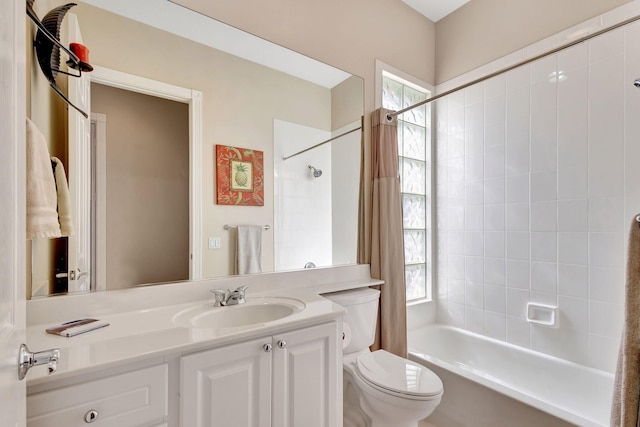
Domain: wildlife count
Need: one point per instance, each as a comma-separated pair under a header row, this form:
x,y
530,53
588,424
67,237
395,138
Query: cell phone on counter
x,y
77,327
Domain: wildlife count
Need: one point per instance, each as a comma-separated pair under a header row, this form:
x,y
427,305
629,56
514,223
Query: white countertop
x,y
140,333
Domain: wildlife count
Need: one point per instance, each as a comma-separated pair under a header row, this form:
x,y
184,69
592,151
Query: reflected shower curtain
x,y
387,242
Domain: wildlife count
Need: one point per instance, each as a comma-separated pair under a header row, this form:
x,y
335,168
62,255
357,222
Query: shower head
x,y
316,172
636,83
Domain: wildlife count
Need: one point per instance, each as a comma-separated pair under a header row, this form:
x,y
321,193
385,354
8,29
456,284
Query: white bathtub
x,y
574,393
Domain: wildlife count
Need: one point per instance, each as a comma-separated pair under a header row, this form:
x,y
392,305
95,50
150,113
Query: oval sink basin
x,y
255,311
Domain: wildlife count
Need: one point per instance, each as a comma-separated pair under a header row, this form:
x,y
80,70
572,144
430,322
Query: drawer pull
x,y
91,416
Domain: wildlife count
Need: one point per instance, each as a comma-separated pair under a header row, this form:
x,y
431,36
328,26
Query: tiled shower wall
x,y
538,180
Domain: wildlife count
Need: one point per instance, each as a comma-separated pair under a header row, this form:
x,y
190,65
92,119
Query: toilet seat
x,y
398,376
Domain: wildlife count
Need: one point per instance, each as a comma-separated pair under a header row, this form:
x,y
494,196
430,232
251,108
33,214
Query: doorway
x,y
141,188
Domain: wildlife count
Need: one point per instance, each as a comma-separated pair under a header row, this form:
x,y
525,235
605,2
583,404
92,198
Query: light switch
x,y
214,243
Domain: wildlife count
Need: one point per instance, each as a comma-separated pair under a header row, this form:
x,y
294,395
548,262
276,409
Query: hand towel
x,y
42,199
248,249
626,391
64,201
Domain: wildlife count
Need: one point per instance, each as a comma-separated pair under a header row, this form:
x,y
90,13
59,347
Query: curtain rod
x,y
390,116
322,143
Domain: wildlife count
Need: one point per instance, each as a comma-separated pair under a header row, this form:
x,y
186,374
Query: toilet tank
x,y
360,318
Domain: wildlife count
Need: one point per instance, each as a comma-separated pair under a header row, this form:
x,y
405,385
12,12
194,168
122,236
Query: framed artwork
x,y
239,176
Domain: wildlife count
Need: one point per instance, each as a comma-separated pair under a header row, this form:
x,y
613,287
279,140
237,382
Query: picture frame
x,y
239,176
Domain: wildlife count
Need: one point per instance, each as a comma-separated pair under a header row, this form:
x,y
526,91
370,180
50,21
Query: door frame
x,y
192,97
13,243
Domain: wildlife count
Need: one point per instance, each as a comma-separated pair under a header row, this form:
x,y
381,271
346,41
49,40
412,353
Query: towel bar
x,y
229,227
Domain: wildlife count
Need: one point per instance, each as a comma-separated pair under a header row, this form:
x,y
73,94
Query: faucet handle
x,y
236,296
220,296
241,289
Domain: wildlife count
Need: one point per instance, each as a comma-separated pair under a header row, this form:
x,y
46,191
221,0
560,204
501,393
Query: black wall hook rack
x,y
47,45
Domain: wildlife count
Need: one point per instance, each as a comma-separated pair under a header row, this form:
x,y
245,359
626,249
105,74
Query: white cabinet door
x,y
227,387
307,381
296,381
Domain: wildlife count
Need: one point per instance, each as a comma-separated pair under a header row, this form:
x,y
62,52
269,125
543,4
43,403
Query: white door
x,y
227,387
79,169
12,210
307,378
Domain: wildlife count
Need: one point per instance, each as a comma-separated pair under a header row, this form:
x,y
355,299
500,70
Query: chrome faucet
x,y
224,297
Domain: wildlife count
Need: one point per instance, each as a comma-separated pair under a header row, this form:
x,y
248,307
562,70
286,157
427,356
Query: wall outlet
x,y
214,243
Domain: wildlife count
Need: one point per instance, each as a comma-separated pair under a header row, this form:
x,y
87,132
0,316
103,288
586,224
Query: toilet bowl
x,y
389,397
380,388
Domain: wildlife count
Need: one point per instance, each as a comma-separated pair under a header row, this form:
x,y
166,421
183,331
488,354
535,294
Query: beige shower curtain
x,y
387,241
626,391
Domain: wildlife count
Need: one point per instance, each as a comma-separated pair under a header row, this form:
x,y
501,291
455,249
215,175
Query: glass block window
x,y
414,149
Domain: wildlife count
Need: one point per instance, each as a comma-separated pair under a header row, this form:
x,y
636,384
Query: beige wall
x,y
240,101
346,102
147,186
484,30
349,35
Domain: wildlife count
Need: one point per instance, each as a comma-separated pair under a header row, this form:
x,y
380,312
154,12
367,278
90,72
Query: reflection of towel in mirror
x,y
64,201
248,249
42,217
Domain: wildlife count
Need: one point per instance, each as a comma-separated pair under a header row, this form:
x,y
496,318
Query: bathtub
x,y
570,392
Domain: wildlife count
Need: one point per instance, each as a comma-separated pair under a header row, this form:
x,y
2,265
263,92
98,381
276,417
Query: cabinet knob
x,y
282,343
91,416
267,347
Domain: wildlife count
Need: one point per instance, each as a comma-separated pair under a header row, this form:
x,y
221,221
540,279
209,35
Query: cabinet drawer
x,y
132,399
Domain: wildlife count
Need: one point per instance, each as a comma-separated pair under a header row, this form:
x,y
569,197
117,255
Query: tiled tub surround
x,y
538,180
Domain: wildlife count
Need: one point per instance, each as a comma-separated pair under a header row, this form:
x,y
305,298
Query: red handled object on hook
x,y
47,45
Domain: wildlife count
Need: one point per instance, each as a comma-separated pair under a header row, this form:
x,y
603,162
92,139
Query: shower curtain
x,y
387,242
626,394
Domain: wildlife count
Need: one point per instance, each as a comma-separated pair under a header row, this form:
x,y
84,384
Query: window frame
x,y
383,69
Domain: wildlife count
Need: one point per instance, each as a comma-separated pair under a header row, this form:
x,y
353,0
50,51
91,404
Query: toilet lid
x,y
397,374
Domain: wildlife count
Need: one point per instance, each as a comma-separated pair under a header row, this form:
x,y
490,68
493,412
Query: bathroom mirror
x,y
254,96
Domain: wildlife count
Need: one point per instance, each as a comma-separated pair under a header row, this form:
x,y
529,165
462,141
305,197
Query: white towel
x,y
64,201
42,200
248,249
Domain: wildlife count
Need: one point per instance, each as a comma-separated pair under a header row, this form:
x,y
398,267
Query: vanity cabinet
x,y
132,399
290,379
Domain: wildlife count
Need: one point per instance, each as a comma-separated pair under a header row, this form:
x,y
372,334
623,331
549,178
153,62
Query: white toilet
x,y
380,388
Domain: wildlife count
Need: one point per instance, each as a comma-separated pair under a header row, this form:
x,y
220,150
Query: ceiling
x,y
435,9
